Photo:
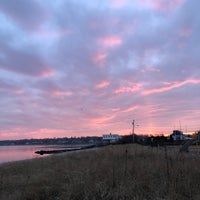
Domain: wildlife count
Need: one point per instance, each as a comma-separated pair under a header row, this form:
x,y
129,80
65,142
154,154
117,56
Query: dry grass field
x,y
112,172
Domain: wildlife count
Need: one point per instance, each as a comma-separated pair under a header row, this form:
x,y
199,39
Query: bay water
x,y
15,153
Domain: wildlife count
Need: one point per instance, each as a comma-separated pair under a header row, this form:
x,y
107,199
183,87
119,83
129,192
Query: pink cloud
x,y
115,109
52,33
150,69
119,3
167,5
132,108
127,89
103,84
47,73
100,121
48,133
144,3
170,86
18,91
166,83
4,86
98,23
21,133
185,32
83,91
62,92
163,5
110,41
99,59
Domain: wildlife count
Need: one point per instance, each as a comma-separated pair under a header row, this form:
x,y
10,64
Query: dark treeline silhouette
x,y
54,141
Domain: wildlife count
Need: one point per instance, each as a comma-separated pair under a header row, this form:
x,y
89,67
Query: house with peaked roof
x,y
178,135
111,138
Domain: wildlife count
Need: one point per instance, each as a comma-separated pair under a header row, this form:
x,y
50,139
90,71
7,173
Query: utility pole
x,y
180,125
133,123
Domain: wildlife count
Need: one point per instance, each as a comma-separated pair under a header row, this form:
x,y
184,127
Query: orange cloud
x,y
170,86
110,41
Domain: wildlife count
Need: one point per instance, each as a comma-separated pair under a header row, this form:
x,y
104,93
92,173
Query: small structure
x,y
198,136
111,138
178,135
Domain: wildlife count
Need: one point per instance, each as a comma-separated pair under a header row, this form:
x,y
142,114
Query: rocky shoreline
x,y
42,152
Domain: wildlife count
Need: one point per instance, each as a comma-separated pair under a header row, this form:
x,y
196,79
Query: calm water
x,y
14,153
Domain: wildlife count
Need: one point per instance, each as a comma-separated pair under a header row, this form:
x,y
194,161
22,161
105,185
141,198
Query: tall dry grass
x,y
112,172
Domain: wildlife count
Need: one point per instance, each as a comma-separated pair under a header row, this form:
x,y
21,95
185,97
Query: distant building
x,y
198,136
178,135
111,138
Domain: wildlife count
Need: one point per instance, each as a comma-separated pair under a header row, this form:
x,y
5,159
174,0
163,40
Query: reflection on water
x,y
14,153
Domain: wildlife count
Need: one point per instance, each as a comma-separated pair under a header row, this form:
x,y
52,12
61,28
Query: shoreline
x,y
9,154
56,151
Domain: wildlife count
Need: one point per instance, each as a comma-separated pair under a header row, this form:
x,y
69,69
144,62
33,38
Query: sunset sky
x,y
86,68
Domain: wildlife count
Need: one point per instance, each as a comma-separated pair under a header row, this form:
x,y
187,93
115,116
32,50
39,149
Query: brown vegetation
x,y
112,172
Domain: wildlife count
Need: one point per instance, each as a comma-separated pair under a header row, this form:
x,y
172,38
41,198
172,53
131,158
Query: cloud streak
x,y
170,86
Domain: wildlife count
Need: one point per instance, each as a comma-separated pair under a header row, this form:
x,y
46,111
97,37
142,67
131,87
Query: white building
x,y
112,138
178,135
